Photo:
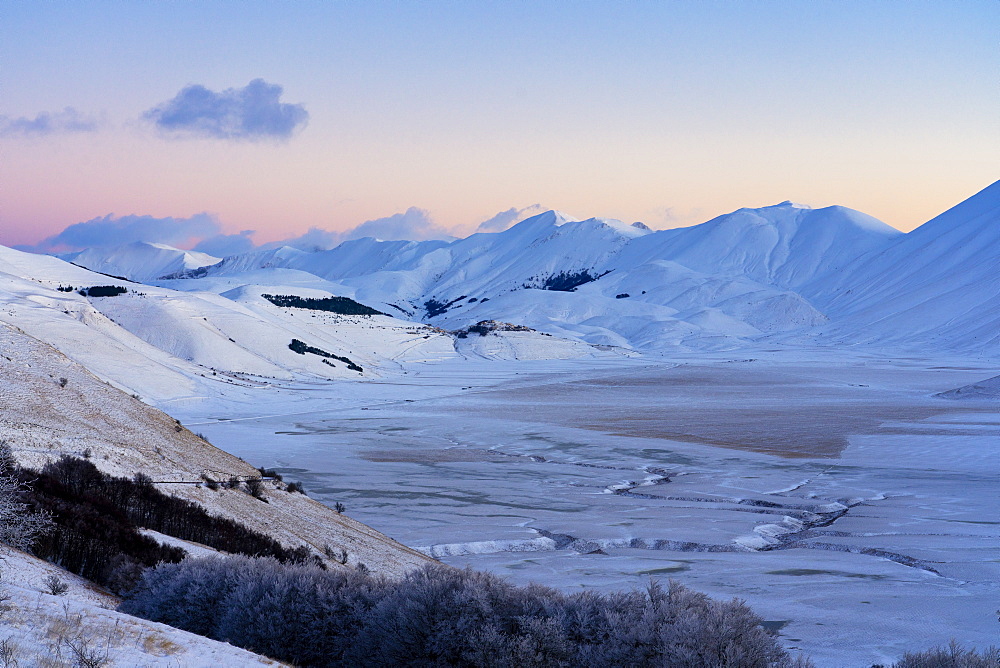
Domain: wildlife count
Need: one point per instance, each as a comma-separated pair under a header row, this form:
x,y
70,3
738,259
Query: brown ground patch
x,y
800,431
783,412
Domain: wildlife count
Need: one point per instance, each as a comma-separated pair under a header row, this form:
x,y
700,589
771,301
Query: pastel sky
x,y
432,117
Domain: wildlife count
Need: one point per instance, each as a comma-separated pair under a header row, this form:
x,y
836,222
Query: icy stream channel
x,y
853,510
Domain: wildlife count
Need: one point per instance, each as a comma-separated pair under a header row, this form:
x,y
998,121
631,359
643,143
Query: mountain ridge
x,y
784,270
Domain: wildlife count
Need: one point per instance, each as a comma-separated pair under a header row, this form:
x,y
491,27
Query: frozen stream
x,y
853,510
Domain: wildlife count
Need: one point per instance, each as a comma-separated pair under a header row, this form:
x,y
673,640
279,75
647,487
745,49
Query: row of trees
x,y
441,616
339,305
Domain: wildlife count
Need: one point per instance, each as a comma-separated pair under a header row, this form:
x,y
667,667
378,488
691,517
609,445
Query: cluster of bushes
x,y
97,518
103,291
340,305
441,616
564,281
435,307
302,348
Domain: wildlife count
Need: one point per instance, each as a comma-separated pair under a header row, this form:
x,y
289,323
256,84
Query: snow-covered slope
x,y
987,390
53,407
167,345
81,627
140,261
939,285
785,245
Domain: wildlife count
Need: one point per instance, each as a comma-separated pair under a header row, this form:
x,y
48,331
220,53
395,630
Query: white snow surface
x,y
140,260
984,390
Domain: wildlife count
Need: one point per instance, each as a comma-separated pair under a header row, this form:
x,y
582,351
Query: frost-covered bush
x,y
953,656
303,615
441,616
20,524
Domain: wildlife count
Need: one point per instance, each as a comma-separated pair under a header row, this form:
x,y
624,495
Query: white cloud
x,y
510,217
249,113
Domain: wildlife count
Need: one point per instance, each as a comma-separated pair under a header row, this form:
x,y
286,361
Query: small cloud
x,y
48,123
413,225
508,218
669,217
224,245
111,231
313,240
249,113
665,216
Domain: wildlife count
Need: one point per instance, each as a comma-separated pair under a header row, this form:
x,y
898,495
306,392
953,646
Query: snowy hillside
x,y
55,407
140,261
225,338
937,285
785,245
81,628
168,345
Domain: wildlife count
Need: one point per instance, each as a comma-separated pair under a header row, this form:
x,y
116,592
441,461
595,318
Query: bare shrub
x,y
9,652
255,488
55,585
86,654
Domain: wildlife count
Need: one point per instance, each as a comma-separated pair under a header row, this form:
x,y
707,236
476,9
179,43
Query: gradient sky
x,y
665,112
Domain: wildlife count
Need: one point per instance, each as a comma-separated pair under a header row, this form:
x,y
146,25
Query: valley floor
x,y
850,507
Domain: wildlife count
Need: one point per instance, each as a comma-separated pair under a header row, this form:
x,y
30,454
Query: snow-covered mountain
x,y
785,271
169,345
785,245
937,285
599,280
140,261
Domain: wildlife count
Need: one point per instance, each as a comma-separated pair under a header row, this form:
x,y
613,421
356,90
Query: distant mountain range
x,y
782,273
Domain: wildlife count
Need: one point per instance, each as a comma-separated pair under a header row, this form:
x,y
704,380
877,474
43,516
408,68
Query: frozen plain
x,y
853,509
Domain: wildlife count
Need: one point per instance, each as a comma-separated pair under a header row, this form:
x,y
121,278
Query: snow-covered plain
x,y
833,491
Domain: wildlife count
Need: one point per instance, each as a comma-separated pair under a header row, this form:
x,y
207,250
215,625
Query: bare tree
x,y
19,525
